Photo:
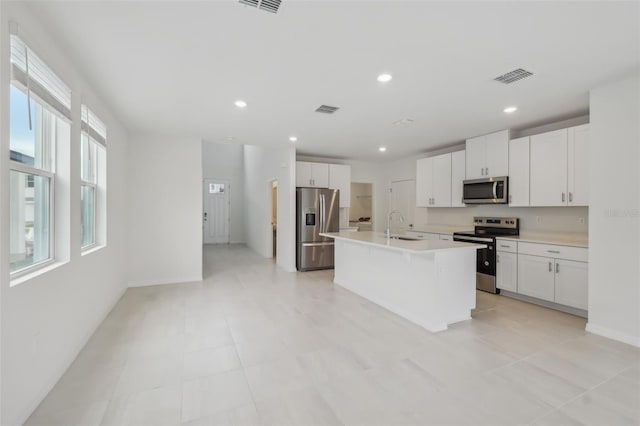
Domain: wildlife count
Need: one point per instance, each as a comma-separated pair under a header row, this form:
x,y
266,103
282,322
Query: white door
x,y
457,177
216,211
507,271
403,199
441,181
475,148
536,276
548,169
497,154
519,172
578,168
571,283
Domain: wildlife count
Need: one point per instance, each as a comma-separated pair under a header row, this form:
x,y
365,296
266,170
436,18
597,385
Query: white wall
x,y
263,165
164,210
614,230
226,161
48,319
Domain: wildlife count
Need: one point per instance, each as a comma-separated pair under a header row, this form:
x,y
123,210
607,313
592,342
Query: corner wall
x,y
614,225
164,210
263,165
47,319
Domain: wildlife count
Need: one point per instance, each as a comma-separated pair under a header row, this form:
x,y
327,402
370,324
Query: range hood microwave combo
x,y
492,190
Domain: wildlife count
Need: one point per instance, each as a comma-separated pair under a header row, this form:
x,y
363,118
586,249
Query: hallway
x,y
252,344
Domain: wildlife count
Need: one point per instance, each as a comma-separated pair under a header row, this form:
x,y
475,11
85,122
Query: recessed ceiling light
x,y
384,78
510,109
293,139
240,103
382,149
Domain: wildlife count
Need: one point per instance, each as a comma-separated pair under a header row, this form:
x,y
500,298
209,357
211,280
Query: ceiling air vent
x,y
267,5
326,109
513,76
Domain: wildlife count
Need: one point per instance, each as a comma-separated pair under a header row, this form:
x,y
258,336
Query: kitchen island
x,y
431,283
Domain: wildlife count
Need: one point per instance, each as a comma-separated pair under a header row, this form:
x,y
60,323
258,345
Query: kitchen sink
x,y
404,238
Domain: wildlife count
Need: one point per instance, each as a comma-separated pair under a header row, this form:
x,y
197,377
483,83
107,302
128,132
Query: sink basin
x,y
404,238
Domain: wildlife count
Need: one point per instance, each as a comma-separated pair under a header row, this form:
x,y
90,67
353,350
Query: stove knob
x,y
486,263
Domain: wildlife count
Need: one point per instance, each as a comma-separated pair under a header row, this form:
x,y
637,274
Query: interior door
x,y
216,211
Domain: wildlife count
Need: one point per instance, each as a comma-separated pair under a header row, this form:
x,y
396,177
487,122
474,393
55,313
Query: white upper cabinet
x,y
548,169
458,166
488,155
560,167
433,181
578,167
312,175
519,172
340,178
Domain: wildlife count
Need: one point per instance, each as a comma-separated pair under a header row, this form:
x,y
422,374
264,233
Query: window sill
x,y
30,274
92,249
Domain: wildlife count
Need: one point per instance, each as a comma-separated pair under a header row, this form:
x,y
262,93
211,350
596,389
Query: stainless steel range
x,y
486,229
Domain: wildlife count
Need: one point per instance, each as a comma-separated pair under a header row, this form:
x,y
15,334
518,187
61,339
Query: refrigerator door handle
x,y
317,244
321,213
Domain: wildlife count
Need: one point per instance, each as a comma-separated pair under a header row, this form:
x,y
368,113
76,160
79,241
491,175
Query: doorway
x,y
274,216
216,211
361,210
402,197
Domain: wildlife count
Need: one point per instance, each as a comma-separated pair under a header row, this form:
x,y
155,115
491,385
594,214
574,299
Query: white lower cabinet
x,y
571,283
423,235
507,271
558,280
536,277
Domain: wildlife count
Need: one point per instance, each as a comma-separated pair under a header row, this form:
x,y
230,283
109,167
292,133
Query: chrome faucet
x,y
389,221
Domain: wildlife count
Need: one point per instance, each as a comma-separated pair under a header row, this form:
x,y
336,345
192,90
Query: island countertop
x,y
379,239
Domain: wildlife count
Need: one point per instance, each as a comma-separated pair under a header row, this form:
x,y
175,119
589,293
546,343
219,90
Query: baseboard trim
x,y
175,280
613,334
54,378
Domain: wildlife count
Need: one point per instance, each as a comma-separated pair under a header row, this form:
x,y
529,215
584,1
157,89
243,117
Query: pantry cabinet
x,y
433,181
312,175
488,155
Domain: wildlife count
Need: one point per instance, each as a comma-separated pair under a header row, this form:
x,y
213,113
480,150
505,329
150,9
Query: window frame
x,y
93,164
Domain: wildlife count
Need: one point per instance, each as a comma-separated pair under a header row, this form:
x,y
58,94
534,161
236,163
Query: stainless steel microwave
x,y
493,190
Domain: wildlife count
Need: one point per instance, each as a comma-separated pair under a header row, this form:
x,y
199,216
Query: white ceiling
x,y
178,67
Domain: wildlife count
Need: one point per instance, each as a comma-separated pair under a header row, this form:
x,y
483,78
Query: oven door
x,y
485,262
485,191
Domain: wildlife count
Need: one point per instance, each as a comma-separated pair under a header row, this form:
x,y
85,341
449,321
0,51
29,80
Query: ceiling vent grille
x,y
513,76
267,5
326,109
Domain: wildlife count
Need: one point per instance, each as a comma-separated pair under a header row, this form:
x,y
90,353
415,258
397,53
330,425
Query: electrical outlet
x,y
581,220
538,220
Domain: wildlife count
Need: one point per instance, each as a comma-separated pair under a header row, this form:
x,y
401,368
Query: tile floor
x,y
255,345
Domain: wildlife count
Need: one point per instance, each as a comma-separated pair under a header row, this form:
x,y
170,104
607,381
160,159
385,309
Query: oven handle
x,y
463,239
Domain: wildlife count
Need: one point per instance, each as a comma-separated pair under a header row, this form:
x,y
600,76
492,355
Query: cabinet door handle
x,y
550,267
510,199
498,259
487,171
570,197
563,197
503,246
557,268
553,251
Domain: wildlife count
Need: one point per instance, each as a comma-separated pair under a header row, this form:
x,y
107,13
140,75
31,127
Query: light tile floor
x,y
252,344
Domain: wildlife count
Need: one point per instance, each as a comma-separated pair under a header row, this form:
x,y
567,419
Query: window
x,y
39,110
92,188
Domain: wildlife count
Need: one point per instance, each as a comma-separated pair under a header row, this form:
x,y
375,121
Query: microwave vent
x,y
513,76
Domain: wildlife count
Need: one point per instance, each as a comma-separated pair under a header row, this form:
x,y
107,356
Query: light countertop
x,y
379,239
442,229
558,238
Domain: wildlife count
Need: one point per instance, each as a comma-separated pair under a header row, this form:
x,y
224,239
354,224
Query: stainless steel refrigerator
x,y
317,210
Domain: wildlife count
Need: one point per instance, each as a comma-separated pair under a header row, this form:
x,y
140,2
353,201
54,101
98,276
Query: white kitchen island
x,y
429,282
